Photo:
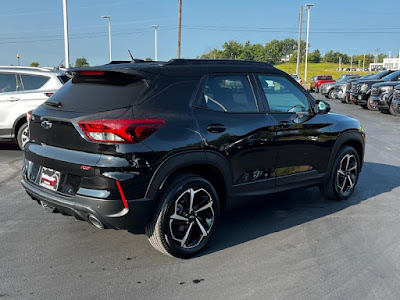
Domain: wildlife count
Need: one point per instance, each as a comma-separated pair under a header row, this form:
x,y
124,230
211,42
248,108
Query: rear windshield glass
x,y
96,97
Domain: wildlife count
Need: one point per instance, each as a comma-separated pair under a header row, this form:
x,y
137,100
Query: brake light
x,y
91,73
29,116
120,130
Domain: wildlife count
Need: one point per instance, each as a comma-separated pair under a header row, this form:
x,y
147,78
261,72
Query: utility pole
x,y
179,28
66,42
363,63
109,34
155,42
18,57
299,42
308,33
351,63
340,63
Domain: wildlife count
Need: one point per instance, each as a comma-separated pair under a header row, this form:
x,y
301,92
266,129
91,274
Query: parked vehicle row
x,y
23,89
373,91
165,146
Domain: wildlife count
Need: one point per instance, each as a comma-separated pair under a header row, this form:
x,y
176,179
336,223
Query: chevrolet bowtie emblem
x,y
46,124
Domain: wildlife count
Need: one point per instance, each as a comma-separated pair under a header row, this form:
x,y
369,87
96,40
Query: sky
x,y
34,29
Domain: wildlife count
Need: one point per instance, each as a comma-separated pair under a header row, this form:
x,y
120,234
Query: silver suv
x,y
21,90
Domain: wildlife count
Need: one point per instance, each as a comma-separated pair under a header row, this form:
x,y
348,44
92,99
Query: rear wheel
x,y
186,217
23,135
344,175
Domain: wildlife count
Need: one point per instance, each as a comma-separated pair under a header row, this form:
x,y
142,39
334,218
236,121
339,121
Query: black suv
x,y
165,146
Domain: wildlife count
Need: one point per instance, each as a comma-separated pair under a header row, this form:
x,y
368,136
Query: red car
x,y
317,80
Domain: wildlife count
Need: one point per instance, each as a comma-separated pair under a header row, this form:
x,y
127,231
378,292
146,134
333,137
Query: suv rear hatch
x,y
92,94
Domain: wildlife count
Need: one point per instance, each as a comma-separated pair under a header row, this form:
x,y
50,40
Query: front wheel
x,y
186,217
343,176
23,135
393,110
330,95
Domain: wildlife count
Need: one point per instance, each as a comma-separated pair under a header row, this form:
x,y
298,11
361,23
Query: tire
x,y
343,176
364,106
316,89
23,136
392,111
330,94
371,107
348,101
178,228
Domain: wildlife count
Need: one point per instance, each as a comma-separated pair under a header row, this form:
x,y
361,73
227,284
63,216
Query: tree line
x,y
274,51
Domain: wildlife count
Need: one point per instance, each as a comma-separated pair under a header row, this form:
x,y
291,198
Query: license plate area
x,y
49,178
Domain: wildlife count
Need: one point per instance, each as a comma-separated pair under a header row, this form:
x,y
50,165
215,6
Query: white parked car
x,y
297,78
23,89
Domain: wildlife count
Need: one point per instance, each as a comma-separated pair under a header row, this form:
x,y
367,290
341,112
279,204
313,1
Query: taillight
x,y
91,73
120,130
29,115
49,94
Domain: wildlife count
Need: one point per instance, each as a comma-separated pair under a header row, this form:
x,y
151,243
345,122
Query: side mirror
x,y
322,107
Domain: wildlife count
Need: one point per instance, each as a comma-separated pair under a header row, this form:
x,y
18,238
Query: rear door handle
x,y
216,128
284,124
12,99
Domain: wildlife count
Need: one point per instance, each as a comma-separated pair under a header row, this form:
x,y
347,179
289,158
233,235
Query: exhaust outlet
x,y
95,222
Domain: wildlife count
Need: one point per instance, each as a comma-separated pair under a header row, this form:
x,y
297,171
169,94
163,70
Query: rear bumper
x,y
108,187
110,212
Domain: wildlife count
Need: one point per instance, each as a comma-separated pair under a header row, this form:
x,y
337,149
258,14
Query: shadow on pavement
x,y
8,146
277,212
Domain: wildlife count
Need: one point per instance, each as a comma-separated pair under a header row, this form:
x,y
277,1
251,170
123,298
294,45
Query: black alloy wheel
x,y
343,176
186,217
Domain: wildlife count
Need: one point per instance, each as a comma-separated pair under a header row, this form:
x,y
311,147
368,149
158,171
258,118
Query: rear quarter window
x,y
33,82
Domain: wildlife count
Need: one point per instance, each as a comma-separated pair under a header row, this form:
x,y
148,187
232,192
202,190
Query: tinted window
x,y
8,83
282,95
63,79
228,93
97,96
33,82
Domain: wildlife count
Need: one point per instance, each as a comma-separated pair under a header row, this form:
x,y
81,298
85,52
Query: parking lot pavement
x,y
293,245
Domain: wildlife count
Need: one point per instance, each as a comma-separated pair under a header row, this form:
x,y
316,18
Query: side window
x,y
8,83
33,82
282,95
228,93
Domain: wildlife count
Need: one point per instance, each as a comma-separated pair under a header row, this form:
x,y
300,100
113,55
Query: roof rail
x,y
48,69
180,61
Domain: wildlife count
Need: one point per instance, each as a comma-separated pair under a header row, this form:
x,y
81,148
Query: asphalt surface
x,y
293,245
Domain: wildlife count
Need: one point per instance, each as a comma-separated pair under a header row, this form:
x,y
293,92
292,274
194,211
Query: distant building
x,y
388,64
286,58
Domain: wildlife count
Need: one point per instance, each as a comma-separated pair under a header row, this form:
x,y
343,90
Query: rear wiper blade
x,y
55,104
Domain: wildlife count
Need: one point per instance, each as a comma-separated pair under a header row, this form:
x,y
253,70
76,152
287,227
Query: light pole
x,y
66,43
109,33
155,41
308,33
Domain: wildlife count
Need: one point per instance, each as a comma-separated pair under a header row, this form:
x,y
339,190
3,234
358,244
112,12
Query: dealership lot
x,y
291,245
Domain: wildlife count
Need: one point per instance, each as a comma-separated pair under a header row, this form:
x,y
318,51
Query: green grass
x,y
317,69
